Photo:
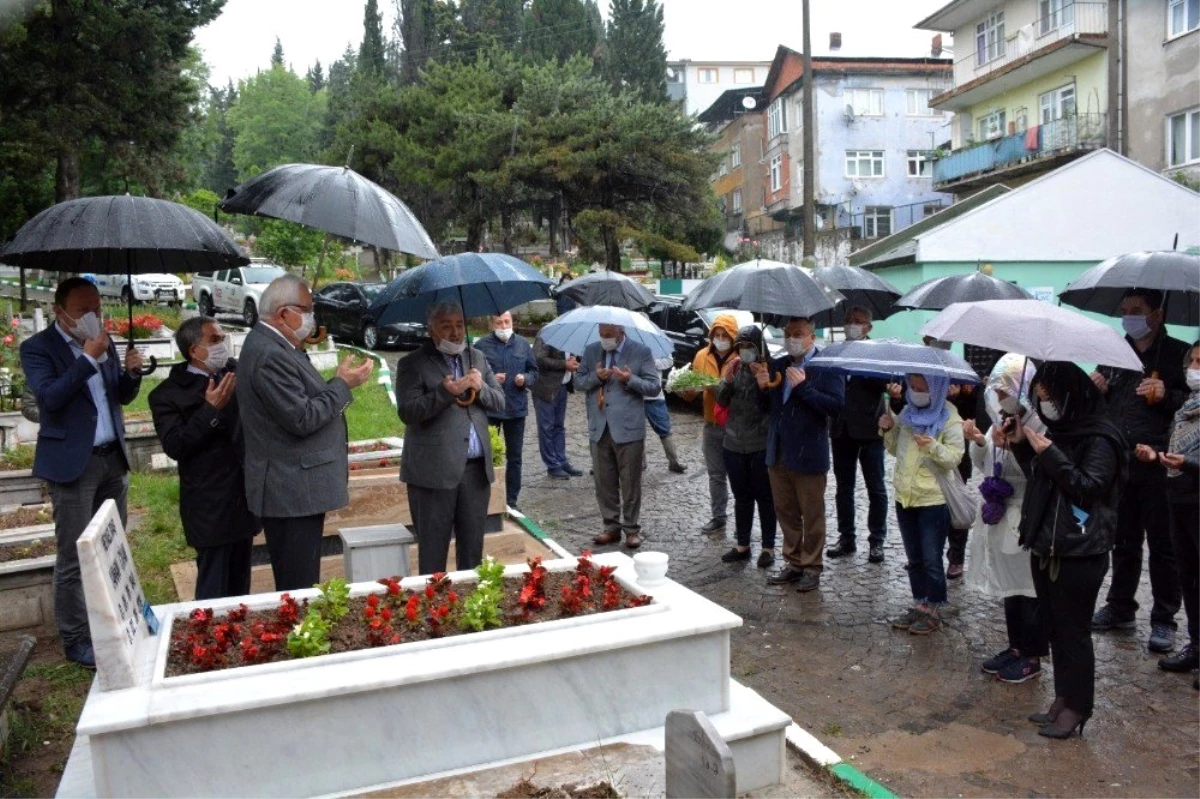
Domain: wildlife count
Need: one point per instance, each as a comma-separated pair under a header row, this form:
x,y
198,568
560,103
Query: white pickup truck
x,y
144,288
236,290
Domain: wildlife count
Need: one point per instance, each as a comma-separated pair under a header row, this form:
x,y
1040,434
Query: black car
x,y
344,310
689,329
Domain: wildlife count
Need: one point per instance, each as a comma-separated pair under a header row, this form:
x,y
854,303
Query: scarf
x,y
930,420
1185,435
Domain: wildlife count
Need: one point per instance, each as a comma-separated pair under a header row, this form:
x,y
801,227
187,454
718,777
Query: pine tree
x,y
597,22
636,59
277,54
315,77
372,54
558,29
418,33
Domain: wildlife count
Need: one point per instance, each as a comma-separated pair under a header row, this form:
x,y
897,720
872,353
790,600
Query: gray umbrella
x,y
607,288
860,288
936,294
768,287
1176,274
334,199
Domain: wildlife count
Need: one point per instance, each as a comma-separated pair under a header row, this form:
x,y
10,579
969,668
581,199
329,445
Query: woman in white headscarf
x,y
999,566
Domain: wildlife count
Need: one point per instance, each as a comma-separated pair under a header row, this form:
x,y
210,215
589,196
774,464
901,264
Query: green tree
x,y
277,54
635,58
372,53
315,77
275,120
288,244
559,29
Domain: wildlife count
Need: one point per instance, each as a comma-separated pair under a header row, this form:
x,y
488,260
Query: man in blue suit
x,y
75,372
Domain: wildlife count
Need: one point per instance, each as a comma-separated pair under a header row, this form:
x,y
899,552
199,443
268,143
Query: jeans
x,y
1026,630
713,445
1185,527
751,486
924,533
1144,515
848,455
552,430
514,443
1066,601
658,417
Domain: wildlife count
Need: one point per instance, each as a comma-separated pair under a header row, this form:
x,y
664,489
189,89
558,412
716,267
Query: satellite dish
x,y
749,103
672,74
731,240
849,112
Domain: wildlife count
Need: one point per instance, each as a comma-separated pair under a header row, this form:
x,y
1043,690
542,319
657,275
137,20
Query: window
x,y
1055,14
708,75
1183,138
865,102
1058,104
917,101
919,164
989,39
735,156
1183,16
776,173
929,209
743,75
737,201
991,126
776,118
723,169
864,163
877,221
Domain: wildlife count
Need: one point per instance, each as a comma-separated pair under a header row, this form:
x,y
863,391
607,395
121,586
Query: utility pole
x,y
809,173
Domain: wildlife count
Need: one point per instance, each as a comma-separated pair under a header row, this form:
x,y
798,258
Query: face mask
x,y
919,399
748,355
86,327
795,346
448,347
608,344
218,355
722,344
1049,410
1010,405
308,323
1193,379
854,332
1136,326
503,333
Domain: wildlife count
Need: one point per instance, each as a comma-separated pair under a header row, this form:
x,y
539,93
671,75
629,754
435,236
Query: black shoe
x,y
842,549
1162,638
735,555
809,582
558,474
1065,725
765,559
714,525
998,661
1105,619
572,471
82,654
876,555
785,576
1186,659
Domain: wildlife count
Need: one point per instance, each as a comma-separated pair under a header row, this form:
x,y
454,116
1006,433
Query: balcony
x,y
1035,149
1048,44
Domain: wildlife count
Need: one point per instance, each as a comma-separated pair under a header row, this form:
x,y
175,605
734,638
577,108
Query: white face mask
x,y
1049,410
795,346
1136,326
748,355
854,332
308,323
1193,379
919,399
722,344
218,356
1010,405
609,344
448,347
87,327
503,333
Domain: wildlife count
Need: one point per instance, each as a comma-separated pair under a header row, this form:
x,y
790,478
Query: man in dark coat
x,y
196,417
515,369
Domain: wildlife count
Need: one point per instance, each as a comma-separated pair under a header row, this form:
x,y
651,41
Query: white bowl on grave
x,y
651,568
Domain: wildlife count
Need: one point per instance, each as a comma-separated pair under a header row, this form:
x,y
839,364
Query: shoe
x,y
1105,619
82,654
765,559
714,525
1186,659
954,571
998,661
1162,638
1065,725
809,582
572,471
905,619
785,576
558,474
677,468
1019,670
1050,715
925,624
607,537
633,540
876,555
841,549
735,554
513,506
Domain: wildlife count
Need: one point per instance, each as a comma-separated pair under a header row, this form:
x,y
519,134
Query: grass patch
x,y
19,457
141,403
43,715
371,415
157,541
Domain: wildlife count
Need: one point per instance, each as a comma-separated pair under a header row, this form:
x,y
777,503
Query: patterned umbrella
x,y
768,287
891,358
1176,274
936,294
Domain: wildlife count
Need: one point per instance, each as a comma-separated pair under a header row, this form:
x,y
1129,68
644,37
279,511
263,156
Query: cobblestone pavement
x,y
914,712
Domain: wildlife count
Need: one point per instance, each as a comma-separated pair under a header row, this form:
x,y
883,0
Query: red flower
x,y
452,597
373,600
386,614
369,612
429,592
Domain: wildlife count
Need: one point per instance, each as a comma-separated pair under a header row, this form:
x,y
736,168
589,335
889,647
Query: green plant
x,y
19,457
1186,180
498,450
482,607
334,601
310,637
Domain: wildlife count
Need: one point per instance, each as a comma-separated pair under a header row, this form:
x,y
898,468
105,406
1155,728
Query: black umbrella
x,y
607,288
937,294
767,287
122,235
860,288
335,199
1176,274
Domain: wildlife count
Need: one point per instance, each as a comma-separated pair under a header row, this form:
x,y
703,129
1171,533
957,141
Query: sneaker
x,y
842,549
876,555
998,661
809,582
735,554
714,525
1162,638
1105,619
925,624
1186,659
558,474
572,471
905,619
954,571
765,559
1019,670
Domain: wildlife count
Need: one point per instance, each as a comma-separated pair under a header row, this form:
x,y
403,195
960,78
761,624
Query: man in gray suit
x,y
444,392
296,467
617,374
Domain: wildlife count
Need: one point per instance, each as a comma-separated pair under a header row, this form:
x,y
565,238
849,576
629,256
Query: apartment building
x,y
698,84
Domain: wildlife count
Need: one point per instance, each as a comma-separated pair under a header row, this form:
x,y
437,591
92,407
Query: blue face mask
x,y
1135,326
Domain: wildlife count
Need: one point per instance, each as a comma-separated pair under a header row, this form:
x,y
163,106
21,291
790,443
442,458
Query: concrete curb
x,y
821,756
531,527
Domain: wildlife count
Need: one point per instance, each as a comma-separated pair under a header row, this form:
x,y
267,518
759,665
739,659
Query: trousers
x,y
713,444
514,444
294,543
1185,529
751,486
224,570
1067,601
800,509
1026,632
848,455
1144,516
459,513
552,429
923,531
617,475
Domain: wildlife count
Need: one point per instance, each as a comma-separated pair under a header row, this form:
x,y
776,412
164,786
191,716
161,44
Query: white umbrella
x,y
574,330
1034,329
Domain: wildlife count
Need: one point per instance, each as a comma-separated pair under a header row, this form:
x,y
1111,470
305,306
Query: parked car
x,y
235,290
689,329
344,310
144,288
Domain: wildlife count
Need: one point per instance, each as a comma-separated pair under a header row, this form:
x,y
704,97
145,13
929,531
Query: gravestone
x,y
376,551
699,762
120,618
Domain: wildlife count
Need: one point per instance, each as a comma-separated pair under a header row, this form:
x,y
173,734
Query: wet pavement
x,y
913,712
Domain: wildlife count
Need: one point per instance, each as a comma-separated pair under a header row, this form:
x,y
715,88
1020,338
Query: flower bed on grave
x,y
334,622
378,454
27,550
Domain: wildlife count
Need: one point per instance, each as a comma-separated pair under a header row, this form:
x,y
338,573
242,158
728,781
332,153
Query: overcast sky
x,y
240,40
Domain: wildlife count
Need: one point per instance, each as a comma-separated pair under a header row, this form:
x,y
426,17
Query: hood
x,y
725,322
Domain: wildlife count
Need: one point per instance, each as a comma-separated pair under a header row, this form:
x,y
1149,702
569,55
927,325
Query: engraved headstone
x,y
699,762
120,618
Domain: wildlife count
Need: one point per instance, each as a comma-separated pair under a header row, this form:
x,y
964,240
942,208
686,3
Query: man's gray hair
x,y
440,309
190,332
283,291
860,309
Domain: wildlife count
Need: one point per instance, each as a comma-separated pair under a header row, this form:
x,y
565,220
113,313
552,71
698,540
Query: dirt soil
x,y
26,550
25,517
527,790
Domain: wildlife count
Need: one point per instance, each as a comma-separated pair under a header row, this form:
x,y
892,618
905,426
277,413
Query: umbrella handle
x,y
775,383
471,395
318,337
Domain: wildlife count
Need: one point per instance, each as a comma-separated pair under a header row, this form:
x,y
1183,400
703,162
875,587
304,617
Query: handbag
x,y
720,414
959,499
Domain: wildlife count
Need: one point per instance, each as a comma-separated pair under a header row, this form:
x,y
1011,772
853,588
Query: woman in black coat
x,y
1076,473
